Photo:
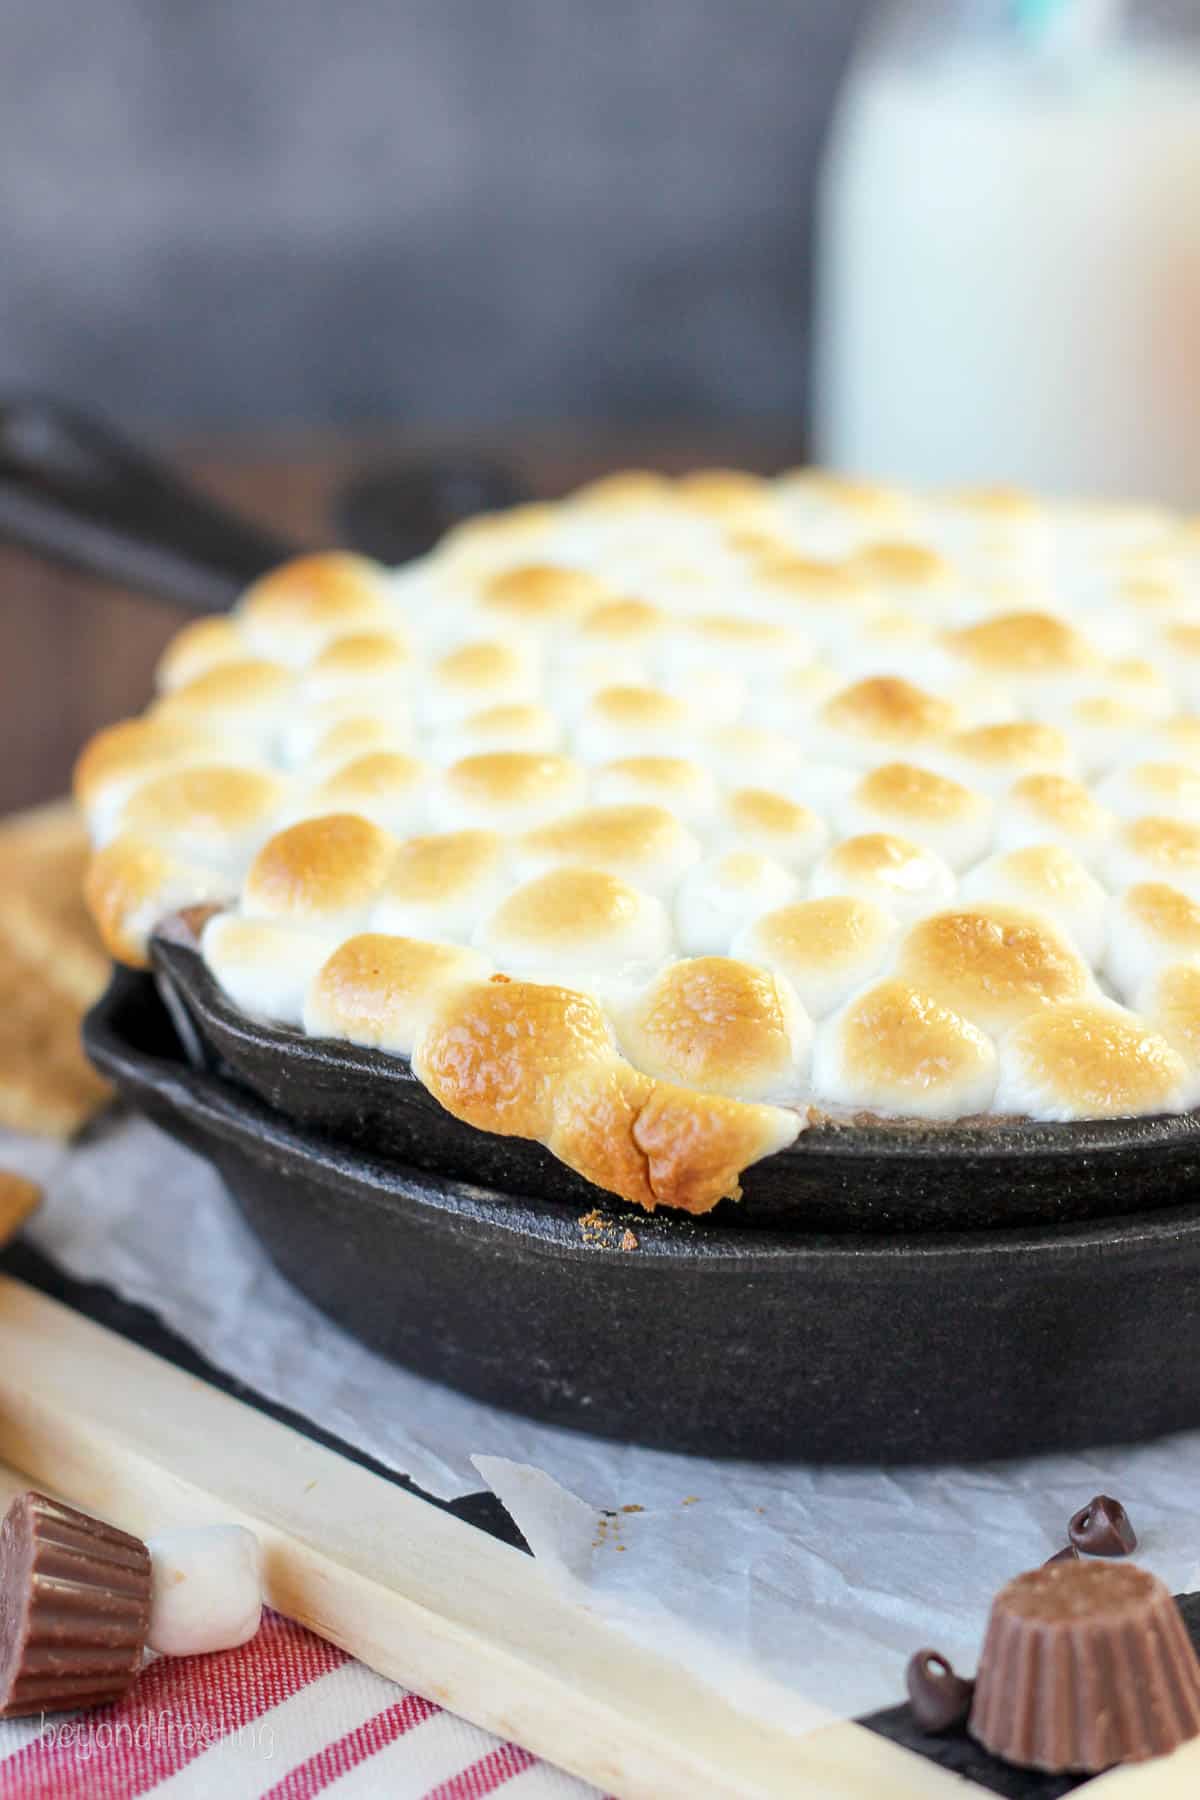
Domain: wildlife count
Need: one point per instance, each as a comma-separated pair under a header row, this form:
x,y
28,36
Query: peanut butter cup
x,y
1085,1665
74,1608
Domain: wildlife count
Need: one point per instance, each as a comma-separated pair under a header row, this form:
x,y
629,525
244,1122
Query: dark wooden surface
x,y
75,653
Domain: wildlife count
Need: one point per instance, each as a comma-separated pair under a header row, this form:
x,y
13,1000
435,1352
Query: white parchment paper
x,y
778,1582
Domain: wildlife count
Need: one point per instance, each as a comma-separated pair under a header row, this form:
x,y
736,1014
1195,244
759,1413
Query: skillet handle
x,y
79,494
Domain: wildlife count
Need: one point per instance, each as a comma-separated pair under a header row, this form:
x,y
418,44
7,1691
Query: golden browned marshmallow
x,y
1156,849
825,948
880,716
723,491
133,884
953,820
1168,789
1169,1000
367,664
215,813
509,790
621,625
871,501
907,879
1022,644
499,1053
381,991
264,967
473,676
290,613
1152,924
1049,879
720,894
991,757
721,1026
1054,809
440,886
578,926
632,721
346,737
536,595
896,1049
663,1145
496,540
199,647
625,490
1090,1060
123,755
993,964
811,585
759,819
733,642
322,872
645,845
244,700
683,787
516,726
1102,729
385,786
908,566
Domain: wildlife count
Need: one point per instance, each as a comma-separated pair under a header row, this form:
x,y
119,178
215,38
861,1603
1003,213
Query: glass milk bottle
x,y
1009,249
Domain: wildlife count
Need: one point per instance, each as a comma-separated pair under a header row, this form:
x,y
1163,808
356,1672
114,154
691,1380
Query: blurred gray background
x,y
227,212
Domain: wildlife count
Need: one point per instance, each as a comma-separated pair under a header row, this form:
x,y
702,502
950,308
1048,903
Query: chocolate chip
x,y
1069,1554
1102,1528
938,1697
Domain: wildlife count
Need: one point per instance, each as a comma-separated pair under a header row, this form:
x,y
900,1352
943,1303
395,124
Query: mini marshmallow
x,y
441,885
1090,1060
898,1051
1155,848
205,1589
644,845
508,790
826,948
632,721
771,824
264,968
578,927
907,879
721,894
880,718
1151,924
722,1027
953,820
1046,878
1170,1003
686,788
1171,790
1053,809
993,964
381,991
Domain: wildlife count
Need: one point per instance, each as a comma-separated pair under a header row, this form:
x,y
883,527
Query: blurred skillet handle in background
x,y
1009,248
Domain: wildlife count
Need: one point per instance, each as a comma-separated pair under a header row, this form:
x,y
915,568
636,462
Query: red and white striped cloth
x,y
286,1717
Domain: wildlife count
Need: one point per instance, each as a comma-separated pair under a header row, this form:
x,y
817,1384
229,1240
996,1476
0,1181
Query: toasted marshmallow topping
x,y
1090,1061
1151,924
896,1050
382,991
790,727
953,820
825,948
993,964
904,877
324,871
1050,879
722,1027
1170,1002
589,924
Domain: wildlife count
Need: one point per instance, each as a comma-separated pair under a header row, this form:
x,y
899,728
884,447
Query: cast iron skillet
x,y
73,490
757,1343
835,1178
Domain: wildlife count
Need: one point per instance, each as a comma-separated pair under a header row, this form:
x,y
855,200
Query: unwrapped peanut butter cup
x,y
1085,1665
74,1608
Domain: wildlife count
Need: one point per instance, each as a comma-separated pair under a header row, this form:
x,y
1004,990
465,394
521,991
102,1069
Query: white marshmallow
x,y
205,1589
